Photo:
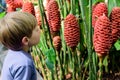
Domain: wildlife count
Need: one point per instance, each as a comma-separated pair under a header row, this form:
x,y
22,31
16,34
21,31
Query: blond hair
x,y
14,26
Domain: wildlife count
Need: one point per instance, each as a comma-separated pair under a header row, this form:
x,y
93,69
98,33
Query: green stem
x,y
87,65
95,63
70,56
66,7
79,64
64,47
91,74
106,65
73,7
55,71
43,14
61,8
74,63
42,17
84,19
100,68
37,52
60,65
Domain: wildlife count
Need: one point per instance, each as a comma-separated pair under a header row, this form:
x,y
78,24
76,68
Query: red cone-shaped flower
x,y
28,7
98,10
57,42
71,31
18,3
53,15
115,23
37,15
10,9
10,3
102,36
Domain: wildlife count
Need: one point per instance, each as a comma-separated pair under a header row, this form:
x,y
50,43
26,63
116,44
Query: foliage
x,y
2,14
80,63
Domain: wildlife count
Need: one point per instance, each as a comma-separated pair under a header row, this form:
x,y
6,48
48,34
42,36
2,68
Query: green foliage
x,y
50,65
117,45
50,54
87,59
2,14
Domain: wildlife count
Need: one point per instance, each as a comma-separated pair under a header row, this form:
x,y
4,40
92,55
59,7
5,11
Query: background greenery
x,y
85,65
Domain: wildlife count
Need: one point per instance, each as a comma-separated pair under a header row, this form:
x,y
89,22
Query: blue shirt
x,y
18,65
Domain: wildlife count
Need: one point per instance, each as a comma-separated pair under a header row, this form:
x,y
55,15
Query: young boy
x,y
19,32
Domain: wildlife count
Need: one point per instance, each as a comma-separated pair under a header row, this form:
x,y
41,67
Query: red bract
x,y
18,3
98,10
53,15
45,3
102,36
71,31
28,7
57,42
10,9
115,23
37,15
10,3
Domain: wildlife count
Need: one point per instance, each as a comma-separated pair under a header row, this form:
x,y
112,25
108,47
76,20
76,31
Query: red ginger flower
x,y
10,9
71,31
10,3
18,3
98,10
37,15
28,7
115,23
102,36
53,15
57,42
45,3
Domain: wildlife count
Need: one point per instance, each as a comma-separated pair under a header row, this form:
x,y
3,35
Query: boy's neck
x,y
26,49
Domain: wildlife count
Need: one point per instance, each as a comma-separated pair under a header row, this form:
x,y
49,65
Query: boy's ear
x,y
25,40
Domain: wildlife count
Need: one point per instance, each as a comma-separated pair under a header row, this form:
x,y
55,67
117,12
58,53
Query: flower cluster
x,y
98,10
28,7
102,36
71,31
115,23
53,16
57,43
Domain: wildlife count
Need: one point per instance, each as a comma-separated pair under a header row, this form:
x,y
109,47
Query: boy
x,y
19,32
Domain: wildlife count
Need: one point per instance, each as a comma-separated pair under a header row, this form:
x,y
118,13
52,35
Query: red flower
x,y
10,3
115,23
53,15
10,9
102,36
71,31
28,7
18,3
98,10
37,15
57,42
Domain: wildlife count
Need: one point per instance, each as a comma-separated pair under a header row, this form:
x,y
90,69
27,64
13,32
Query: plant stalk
x,y
100,68
91,70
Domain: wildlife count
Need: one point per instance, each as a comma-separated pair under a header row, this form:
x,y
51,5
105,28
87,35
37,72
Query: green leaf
x,y
111,4
49,64
2,14
118,2
105,63
117,45
50,54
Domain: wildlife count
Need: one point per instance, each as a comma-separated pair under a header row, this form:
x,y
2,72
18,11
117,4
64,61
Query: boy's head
x,y
14,27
